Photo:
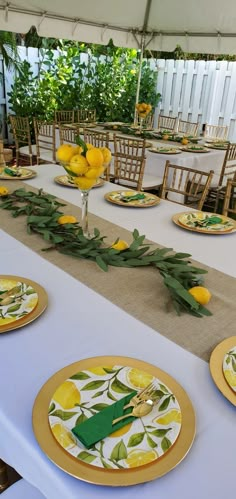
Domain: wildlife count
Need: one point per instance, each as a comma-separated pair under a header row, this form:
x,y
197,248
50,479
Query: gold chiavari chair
x,y
98,139
229,206
191,184
22,136
88,115
45,136
218,132
68,135
166,122
228,171
64,116
129,165
187,128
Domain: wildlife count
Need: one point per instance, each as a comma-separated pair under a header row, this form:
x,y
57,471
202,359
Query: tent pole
x,y
139,77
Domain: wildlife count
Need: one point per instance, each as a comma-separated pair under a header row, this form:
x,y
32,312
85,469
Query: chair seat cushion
x,y
22,490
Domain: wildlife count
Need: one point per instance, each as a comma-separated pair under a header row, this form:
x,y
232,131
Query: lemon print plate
x,y
195,149
65,180
229,367
208,223
22,174
26,303
140,451
136,199
223,368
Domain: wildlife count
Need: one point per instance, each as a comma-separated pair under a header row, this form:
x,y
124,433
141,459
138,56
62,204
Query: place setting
x,y
165,150
223,368
114,421
195,148
205,222
21,302
135,199
11,173
67,181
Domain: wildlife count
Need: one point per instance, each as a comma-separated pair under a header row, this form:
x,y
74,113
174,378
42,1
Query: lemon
x,y
99,370
94,172
165,137
184,142
84,183
67,395
67,219
140,457
202,295
65,152
106,155
139,379
120,245
94,157
62,435
230,376
89,146
121,431
128,193
3,191
171,416
78,164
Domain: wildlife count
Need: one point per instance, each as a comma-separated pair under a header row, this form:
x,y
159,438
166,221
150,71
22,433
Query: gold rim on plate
x,y
216,368
154,200
175,219
28,174
108,477
61,179
35,313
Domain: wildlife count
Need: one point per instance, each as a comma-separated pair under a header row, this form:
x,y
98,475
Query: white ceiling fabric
x,y
202,26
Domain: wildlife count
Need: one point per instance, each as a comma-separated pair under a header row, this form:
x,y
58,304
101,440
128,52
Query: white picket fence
x,y
197,91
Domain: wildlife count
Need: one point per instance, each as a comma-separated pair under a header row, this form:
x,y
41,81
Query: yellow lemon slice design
x,y
62,435
139,379
140,457
67,395
171,416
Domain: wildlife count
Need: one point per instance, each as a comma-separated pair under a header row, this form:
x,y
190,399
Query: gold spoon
x,y
139,411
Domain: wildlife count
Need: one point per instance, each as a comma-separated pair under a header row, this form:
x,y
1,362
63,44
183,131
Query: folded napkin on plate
x,y
135,197
100,425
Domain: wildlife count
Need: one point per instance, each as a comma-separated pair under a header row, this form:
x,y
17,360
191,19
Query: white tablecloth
x,y
29,356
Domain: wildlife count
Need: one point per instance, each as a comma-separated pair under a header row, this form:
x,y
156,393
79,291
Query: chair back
x,y
187,128
191,184
64,116
216,132
166,122
45,141
88,115
22,135
68,135
229,165
129,161
229,206
96,138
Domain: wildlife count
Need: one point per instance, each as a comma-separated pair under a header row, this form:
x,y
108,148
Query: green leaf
x,y
99,407
100,262
106,465
93,385
81,419
165,444
136,439
111,397
119,452
97,394
64,415
120,387
160,433
151,442
13,308
51,408
80,375
86,457
164,404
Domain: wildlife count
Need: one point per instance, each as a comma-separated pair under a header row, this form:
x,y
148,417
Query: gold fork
x,y
141,396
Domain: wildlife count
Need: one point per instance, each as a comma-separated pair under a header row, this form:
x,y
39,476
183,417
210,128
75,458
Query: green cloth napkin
x,y
12,173
135,197
100,425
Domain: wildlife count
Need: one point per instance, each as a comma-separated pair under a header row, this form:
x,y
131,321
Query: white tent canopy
x,y
202,26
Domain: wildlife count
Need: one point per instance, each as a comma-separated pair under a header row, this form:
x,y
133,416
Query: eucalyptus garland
x,y
43,212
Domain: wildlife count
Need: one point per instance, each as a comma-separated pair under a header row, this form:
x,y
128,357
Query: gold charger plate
x,y
112,477
63,180
26,173
216,369
176,220
190,149
165,150
35,313
115,197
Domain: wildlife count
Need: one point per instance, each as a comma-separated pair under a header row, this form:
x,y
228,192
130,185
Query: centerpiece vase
x,y
84,214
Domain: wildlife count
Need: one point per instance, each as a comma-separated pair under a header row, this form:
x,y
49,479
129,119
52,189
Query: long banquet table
x,y
93,326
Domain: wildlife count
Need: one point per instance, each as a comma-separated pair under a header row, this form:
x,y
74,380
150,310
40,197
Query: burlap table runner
x,y
139,291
